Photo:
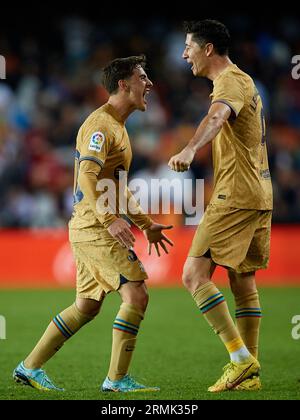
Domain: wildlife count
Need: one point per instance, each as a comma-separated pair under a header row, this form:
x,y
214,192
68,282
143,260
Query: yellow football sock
x,y
61,328
248,318
125,329
213,306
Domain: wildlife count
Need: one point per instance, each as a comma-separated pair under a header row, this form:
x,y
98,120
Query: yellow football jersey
x,y
102,143
241,171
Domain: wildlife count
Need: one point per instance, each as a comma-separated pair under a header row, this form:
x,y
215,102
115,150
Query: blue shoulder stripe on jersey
x,y
222,101
93,159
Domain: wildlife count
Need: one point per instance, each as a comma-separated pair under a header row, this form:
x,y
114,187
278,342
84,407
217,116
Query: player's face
x,y
140,86
195,55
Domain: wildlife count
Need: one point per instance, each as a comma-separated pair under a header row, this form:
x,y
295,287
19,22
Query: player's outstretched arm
x,y
157,238
208,129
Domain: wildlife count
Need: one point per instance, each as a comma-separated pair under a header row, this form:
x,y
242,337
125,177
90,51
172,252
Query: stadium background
x,y
53,59
53,83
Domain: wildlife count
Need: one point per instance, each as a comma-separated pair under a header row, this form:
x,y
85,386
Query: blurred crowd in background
x,y
53,83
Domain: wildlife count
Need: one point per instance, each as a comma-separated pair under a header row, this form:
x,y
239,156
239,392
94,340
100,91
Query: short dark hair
x,y
120,69
209,30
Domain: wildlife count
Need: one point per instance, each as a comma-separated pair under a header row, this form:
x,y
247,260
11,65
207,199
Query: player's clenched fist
x,y
182,161
120,230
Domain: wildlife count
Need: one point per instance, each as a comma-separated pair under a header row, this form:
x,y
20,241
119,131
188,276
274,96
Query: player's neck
x,y
218,66
121,108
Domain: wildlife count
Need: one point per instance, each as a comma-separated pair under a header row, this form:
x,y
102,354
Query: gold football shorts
x,y
237,239
103,266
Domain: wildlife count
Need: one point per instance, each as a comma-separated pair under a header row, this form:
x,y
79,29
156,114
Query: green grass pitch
x,y
176,349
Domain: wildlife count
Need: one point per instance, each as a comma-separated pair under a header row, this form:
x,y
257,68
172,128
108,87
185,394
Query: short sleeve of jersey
x,y
230,90
95,141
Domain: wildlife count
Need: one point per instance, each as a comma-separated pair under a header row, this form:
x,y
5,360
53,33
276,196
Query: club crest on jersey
x,y
97,141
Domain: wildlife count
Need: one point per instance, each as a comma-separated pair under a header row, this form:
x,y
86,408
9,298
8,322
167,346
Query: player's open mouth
x,y
147,91
191,64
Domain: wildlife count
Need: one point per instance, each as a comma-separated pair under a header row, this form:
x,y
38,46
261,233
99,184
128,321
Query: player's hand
x,y
155,236
182,161
120,230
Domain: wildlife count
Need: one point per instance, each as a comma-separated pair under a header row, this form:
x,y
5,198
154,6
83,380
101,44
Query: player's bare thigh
x,y
197,271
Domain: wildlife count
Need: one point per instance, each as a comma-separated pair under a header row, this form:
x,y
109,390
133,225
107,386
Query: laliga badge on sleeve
x,y
97,141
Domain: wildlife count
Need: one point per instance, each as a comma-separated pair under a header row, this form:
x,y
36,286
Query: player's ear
x,y
123,85
209,49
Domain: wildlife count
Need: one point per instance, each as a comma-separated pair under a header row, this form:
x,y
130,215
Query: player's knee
x,y
242,283
135,294
192,279
141,299
88,307
187,279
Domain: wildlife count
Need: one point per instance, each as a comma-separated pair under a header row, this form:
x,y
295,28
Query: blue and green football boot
x,y
126,384
35,378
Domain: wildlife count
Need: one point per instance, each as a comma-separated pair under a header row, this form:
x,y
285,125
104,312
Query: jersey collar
x,y
111,110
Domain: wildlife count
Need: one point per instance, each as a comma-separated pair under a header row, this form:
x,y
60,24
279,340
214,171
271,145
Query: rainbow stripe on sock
x,y
248,313
62,326
125,326
211,303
